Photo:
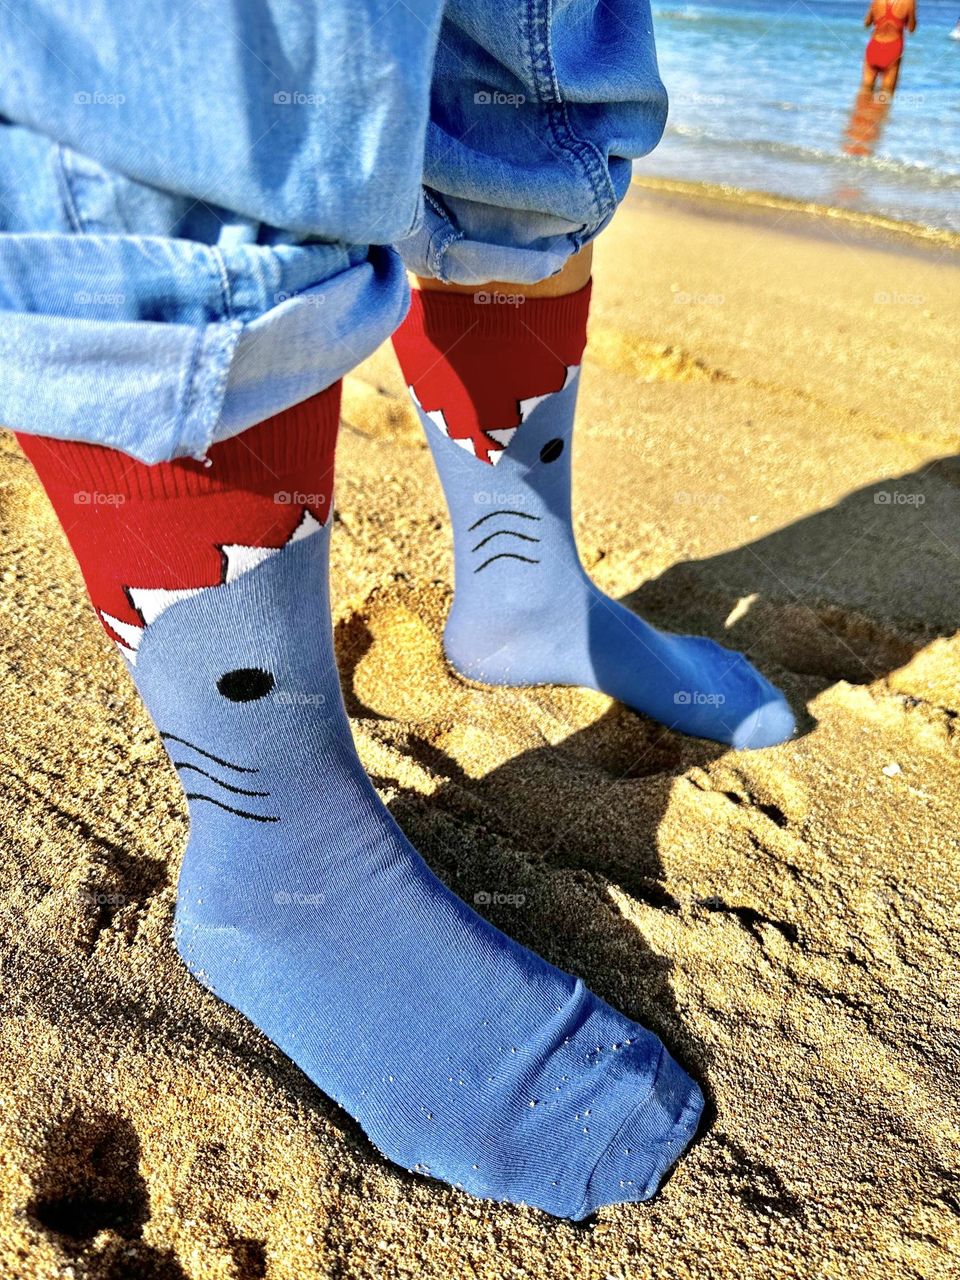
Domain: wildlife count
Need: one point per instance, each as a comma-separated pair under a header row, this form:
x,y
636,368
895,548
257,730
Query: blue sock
x,y
301,903
496,387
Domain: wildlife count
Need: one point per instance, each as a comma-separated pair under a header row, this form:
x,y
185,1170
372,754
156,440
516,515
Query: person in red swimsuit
x,y
889,18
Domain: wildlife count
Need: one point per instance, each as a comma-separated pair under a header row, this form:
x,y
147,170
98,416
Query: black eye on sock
x,y
552,450
246,684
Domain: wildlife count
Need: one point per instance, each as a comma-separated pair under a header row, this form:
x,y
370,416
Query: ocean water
x,y
762,93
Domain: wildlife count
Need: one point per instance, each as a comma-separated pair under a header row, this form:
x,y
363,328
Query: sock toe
x,y
771,723
648,1143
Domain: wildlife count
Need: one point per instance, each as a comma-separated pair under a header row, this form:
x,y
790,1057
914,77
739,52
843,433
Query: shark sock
x,y
495,386
300,902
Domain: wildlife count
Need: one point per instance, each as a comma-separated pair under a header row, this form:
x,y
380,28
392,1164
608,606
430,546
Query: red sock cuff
x,y
296,444
475,367
441,317
140,530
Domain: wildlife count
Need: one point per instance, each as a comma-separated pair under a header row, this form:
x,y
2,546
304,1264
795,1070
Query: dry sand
x,y
787,920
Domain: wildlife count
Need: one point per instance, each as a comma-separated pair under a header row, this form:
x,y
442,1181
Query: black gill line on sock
x,y
505,555
237,791
240,768
504,533
524,515
241,813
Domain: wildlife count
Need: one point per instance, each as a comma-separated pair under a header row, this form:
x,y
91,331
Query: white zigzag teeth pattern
x,y
527,406
502,435
150,602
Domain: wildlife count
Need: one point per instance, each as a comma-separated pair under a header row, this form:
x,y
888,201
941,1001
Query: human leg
x,y
300,902
888,84
493,368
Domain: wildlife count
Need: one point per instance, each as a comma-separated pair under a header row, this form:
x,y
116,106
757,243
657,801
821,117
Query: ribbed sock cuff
x,y
442,317
296,443
165,527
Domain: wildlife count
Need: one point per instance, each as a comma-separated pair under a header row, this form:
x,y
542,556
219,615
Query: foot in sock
x,y
496,388
300,902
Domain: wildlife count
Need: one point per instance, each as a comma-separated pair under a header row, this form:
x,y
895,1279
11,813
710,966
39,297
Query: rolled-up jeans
x,y
207,206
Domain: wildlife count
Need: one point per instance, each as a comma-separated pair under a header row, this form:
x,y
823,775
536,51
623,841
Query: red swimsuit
x,y
882,54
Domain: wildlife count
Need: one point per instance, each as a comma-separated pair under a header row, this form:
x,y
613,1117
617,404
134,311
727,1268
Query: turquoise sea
x,y
762,93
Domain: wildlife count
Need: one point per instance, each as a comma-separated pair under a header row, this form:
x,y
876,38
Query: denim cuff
x,y
163,389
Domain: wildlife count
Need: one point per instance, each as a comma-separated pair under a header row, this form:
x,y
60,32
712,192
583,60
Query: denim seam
x,y
193,391
544,78
220,271
188,388
415,220
441,239
66,192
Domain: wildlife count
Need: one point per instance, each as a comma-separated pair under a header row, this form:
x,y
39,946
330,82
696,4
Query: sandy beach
x,y
766,454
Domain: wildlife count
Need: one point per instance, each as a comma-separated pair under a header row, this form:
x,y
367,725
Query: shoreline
x,y
804,215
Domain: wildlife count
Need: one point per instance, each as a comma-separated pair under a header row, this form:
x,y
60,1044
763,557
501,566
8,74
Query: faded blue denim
x,y
206,206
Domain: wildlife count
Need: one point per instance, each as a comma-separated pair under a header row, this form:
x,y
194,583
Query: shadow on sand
x,y
850,593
